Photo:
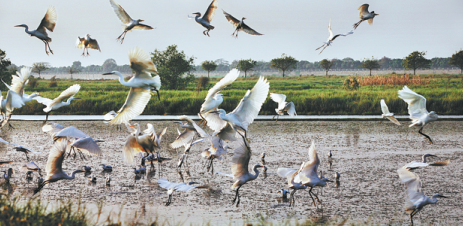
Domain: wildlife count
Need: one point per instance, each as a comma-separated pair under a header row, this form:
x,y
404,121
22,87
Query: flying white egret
x,y
20,148
415,164
48,22
205,21
283,106
417,110
186,152
226,125
365,15
77,139
18,83
58,101
240,163
110,116
128,22
240,25
171,187
54,166
12,101
332,37
142,142
387,114
141,84
191,129
85,43
306,176
214,98
415,199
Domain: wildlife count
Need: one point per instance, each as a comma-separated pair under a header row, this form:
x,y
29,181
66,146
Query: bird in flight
x,y
240,25
48,22
331,38
128,22
387,114
205,21
86,42
365,15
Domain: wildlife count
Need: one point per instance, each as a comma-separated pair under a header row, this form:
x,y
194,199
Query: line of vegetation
x,y
312,95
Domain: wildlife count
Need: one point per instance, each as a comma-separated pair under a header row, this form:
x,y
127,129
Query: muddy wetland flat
x,y
365,153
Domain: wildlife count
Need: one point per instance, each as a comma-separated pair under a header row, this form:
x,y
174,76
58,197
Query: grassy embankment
x,y
312,95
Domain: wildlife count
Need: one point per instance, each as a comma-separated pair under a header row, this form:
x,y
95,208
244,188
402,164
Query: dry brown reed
x,y
404,79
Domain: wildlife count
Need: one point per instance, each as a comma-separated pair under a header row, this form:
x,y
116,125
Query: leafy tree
x,y
40,66
209,66
284,63
370,64
326,64
246,65
109,65
5,73
457,60
74,70
416,60
172,65
385,62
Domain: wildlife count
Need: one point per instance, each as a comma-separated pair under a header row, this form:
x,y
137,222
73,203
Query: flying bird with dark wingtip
x,y
365,15
331,38
240,25
205,21
48,23
20,148
86,42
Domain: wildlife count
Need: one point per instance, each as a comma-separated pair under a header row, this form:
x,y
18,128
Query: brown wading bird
x,y
365,15
240,25
415,199
86,42
59,101
48,22
54,166
417,110
128,22
241,175
205,21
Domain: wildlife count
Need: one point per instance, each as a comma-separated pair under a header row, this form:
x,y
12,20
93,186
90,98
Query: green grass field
x,y
312,95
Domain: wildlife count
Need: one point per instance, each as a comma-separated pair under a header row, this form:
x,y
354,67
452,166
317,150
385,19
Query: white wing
x,y
13,100
291,109
310,168
224,82
141,63
72,132
87,146
6,142
120,12
43,100
19,81
214,121
48,21
384,107
285,172
69,92
279,99
412,184
134,105
249,107
110,115
52,128
416,103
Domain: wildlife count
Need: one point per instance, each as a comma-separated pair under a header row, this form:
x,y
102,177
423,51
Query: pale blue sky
x,y
294,27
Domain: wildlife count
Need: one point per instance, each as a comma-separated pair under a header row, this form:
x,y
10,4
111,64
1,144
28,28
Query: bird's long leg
x,y
27,157
316,196
357,24
10,126
46,118
412,214
427,137
291,197
212,166
46,50
48,44
313,200
236,195
169,200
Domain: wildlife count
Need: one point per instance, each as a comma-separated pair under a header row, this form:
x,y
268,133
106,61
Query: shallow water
x,y
366,153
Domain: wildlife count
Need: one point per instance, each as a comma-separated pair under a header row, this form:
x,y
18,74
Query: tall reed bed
x,y
404,79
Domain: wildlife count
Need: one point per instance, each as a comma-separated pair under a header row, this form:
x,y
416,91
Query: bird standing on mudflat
x,y
128,22
240,25
48,22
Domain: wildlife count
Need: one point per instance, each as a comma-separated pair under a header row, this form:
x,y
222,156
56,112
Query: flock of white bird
x,y
225,126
